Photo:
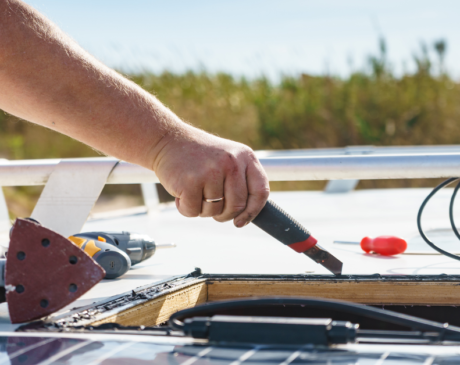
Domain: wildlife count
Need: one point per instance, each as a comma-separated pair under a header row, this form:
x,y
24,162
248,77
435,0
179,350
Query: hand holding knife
x,y
277,223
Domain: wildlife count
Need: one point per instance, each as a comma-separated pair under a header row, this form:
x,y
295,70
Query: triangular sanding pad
x,y
45,272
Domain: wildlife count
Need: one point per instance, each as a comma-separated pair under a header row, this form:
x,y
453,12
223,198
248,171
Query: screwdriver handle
x,y
384,245
277,223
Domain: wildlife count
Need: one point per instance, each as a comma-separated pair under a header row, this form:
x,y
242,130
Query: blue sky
x,y
253,37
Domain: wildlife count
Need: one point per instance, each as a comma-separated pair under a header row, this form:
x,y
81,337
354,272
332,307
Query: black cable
x,y
422,207
399,336
446,331
451,211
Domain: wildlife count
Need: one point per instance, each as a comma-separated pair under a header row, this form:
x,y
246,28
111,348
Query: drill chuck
x,y
139,247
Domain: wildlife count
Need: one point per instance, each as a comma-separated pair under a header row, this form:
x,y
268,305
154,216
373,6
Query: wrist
x,y
170,137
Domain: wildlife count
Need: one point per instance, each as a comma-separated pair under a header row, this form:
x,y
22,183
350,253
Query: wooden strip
x,y
159,310
406,293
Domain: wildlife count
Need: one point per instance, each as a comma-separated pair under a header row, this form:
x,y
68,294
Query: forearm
x,y
46,78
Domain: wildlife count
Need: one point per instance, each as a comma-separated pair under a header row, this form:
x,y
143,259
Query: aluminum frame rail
x,y
358,167
359,150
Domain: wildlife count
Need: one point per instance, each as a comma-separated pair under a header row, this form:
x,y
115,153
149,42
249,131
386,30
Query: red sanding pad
x,y
45,272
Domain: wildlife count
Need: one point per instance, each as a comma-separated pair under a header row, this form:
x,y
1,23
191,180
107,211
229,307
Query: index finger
x,y
258,191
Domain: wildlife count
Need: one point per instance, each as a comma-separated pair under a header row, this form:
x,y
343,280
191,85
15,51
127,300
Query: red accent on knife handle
x,y
304,245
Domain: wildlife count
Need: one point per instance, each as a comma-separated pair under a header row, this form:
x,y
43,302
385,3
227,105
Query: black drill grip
x,y
277,223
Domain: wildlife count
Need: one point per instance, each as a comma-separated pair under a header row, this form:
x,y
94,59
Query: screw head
x,y
20,289
45,242
73,260
21,255
73,288
44,303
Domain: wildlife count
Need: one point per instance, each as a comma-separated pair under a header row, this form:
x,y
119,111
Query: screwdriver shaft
x,y
166,245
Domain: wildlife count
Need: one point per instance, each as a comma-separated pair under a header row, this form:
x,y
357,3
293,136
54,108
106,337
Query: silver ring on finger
x,y
214,200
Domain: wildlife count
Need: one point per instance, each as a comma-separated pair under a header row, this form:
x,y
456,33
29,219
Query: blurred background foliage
x,y
373,106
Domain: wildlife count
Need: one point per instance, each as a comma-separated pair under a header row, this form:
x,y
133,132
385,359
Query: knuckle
x,y
250,154
190,177
232,164
263,192
228,158
231,156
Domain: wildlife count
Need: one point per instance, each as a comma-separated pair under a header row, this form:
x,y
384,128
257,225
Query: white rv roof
x,y
221,248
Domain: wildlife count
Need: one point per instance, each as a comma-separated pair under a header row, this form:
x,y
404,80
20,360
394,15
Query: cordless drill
x,y
117,251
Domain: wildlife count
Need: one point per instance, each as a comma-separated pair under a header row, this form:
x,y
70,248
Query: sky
x,y
257,37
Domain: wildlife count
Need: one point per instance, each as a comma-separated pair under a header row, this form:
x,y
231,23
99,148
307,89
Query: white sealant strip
x,y
70,193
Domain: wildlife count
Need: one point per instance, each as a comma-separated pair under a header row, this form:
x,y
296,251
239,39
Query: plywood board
x,y
406,293
159,310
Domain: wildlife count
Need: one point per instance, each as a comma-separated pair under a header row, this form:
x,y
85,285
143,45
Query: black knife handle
x,y
277,223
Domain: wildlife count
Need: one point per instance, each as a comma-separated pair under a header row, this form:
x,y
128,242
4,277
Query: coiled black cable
x,y
451,216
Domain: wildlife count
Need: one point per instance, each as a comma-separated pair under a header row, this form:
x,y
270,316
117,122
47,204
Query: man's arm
x,y
46,78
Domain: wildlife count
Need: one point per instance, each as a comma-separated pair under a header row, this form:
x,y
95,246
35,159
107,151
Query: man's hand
x,y
194,166
46,78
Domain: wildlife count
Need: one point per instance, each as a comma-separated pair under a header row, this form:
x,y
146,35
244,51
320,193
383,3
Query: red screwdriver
x,y
383,245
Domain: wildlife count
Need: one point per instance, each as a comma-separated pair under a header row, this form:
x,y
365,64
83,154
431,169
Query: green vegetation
x,y
370,107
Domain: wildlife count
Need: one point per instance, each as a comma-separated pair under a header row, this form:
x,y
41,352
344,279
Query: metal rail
x,y
347,185
363,167
359,150
359,167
